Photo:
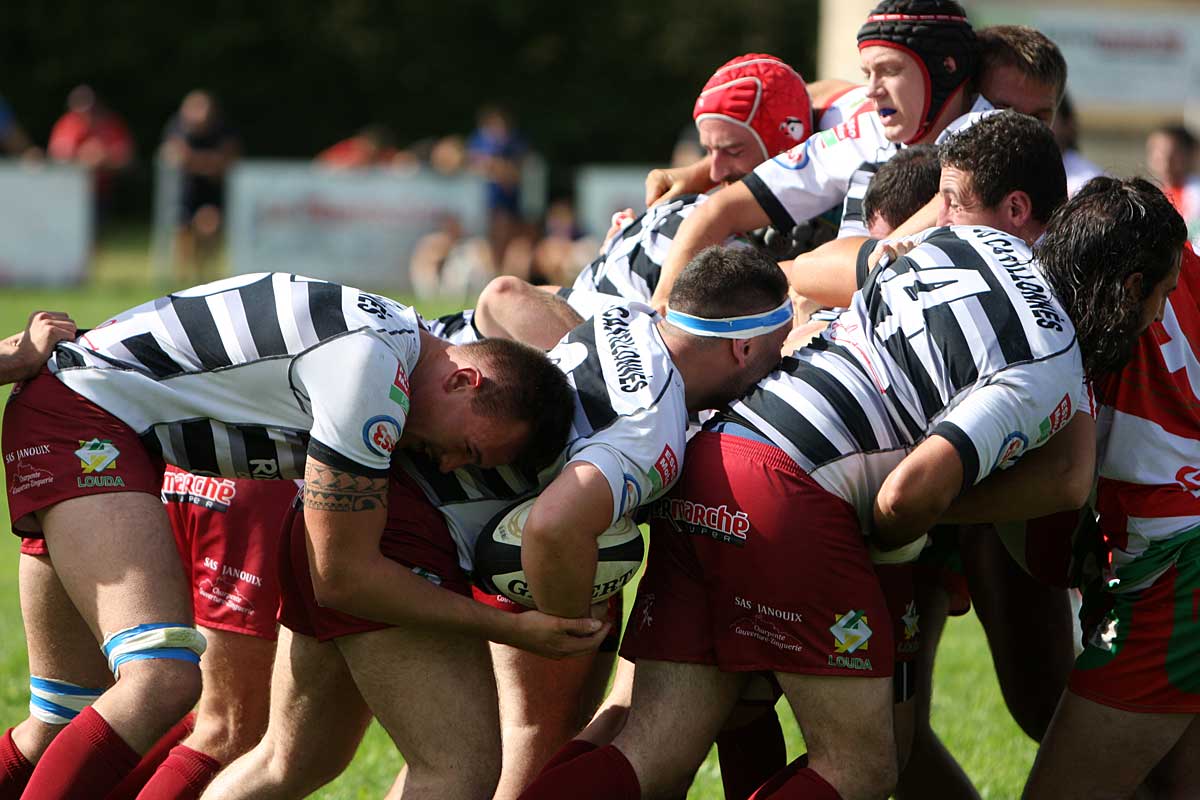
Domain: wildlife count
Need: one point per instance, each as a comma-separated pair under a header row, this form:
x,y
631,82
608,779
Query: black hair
x,y
521,384
903,185
724,281
1110,230
1006,152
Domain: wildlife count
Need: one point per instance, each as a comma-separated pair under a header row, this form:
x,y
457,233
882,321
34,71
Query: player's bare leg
x,y
116,557
60,645
1097,752
317,719
929,763
433,692
510,308
235,703
841,718
539,711
1177,776
1028,627
676,712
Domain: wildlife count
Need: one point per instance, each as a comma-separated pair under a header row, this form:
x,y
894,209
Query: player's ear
x,y
740,349
1018,207
1133,285
463,378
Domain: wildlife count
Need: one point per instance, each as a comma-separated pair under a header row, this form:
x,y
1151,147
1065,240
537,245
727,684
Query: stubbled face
x,y
735,150
962,206
897,86
453,435
1006,86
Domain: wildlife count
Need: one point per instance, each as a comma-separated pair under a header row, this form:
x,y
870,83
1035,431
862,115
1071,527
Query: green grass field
x,y
968,712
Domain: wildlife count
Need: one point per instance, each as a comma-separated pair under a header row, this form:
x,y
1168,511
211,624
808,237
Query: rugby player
x,y
1129,713
878,426
257,376
920,58
23,353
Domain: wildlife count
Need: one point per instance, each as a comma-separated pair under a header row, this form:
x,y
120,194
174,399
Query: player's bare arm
x,y
559,550
24,353
1055,477
826,275
510,308
916,493
731,210
344,515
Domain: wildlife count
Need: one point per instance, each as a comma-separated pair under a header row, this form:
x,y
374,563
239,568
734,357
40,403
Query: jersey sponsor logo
x,y
96,455
263,468
911,620
797,157
631,376
1011,449
766,631
718,523
227,571
380,435
399,392
767,611
27,452
1058,417
215,494
220,592
851,632
25,476
373,305
1188,477
643,610
667,466
631,494
1027,282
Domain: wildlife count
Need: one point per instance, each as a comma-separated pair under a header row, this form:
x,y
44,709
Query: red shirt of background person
x,y
92,135
370,147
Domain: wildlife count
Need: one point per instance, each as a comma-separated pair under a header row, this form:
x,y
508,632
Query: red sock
x,y
751,754
603,774
16,768
570,750
85,761
182,776
796,782
132,783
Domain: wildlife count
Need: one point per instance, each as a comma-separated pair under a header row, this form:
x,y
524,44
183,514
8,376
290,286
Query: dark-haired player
x,y
942,373
257,376
920,57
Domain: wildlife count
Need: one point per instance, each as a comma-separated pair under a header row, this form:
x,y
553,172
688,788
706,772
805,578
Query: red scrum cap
x,y
762,94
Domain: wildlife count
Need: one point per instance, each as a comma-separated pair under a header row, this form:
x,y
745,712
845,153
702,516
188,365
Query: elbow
x,y
332,585
1075,487
904,511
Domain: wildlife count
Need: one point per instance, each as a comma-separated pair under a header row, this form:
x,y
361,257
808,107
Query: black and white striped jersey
x,y
457,327
630,422
831,167
961,338
630,262
244,377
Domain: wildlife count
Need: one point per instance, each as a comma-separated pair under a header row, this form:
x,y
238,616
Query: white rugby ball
x,y
498,567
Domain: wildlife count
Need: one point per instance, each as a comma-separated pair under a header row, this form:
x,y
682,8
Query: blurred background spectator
x,y
96,137
1066,133
372,146
202,146
495,150
1171,159
13,139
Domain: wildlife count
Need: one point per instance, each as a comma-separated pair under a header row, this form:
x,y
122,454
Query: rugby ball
x,y
498,567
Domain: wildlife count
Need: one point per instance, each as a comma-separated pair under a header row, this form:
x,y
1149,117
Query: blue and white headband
x,y
745,327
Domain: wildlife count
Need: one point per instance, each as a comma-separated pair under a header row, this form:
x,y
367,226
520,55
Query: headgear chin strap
x,y
746,327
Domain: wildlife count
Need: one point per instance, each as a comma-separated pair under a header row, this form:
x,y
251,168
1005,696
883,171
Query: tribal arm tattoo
x,y
329,489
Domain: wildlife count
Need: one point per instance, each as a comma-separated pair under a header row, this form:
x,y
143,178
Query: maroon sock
x,y
751,754
85,761
603,774
132,783
16,768
797,783
182,776
570,750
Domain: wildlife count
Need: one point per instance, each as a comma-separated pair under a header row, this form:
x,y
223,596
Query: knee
x,y
168,687
455,772
225,736
868,772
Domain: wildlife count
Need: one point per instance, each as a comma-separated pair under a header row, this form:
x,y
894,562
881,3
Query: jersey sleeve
x,y
812,177
640,458
1018,411
358,391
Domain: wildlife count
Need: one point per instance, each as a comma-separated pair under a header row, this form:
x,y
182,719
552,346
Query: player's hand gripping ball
x,y
498,557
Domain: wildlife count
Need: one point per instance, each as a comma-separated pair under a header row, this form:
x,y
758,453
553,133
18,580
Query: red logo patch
x,y
667,465
1189,478
1060,415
